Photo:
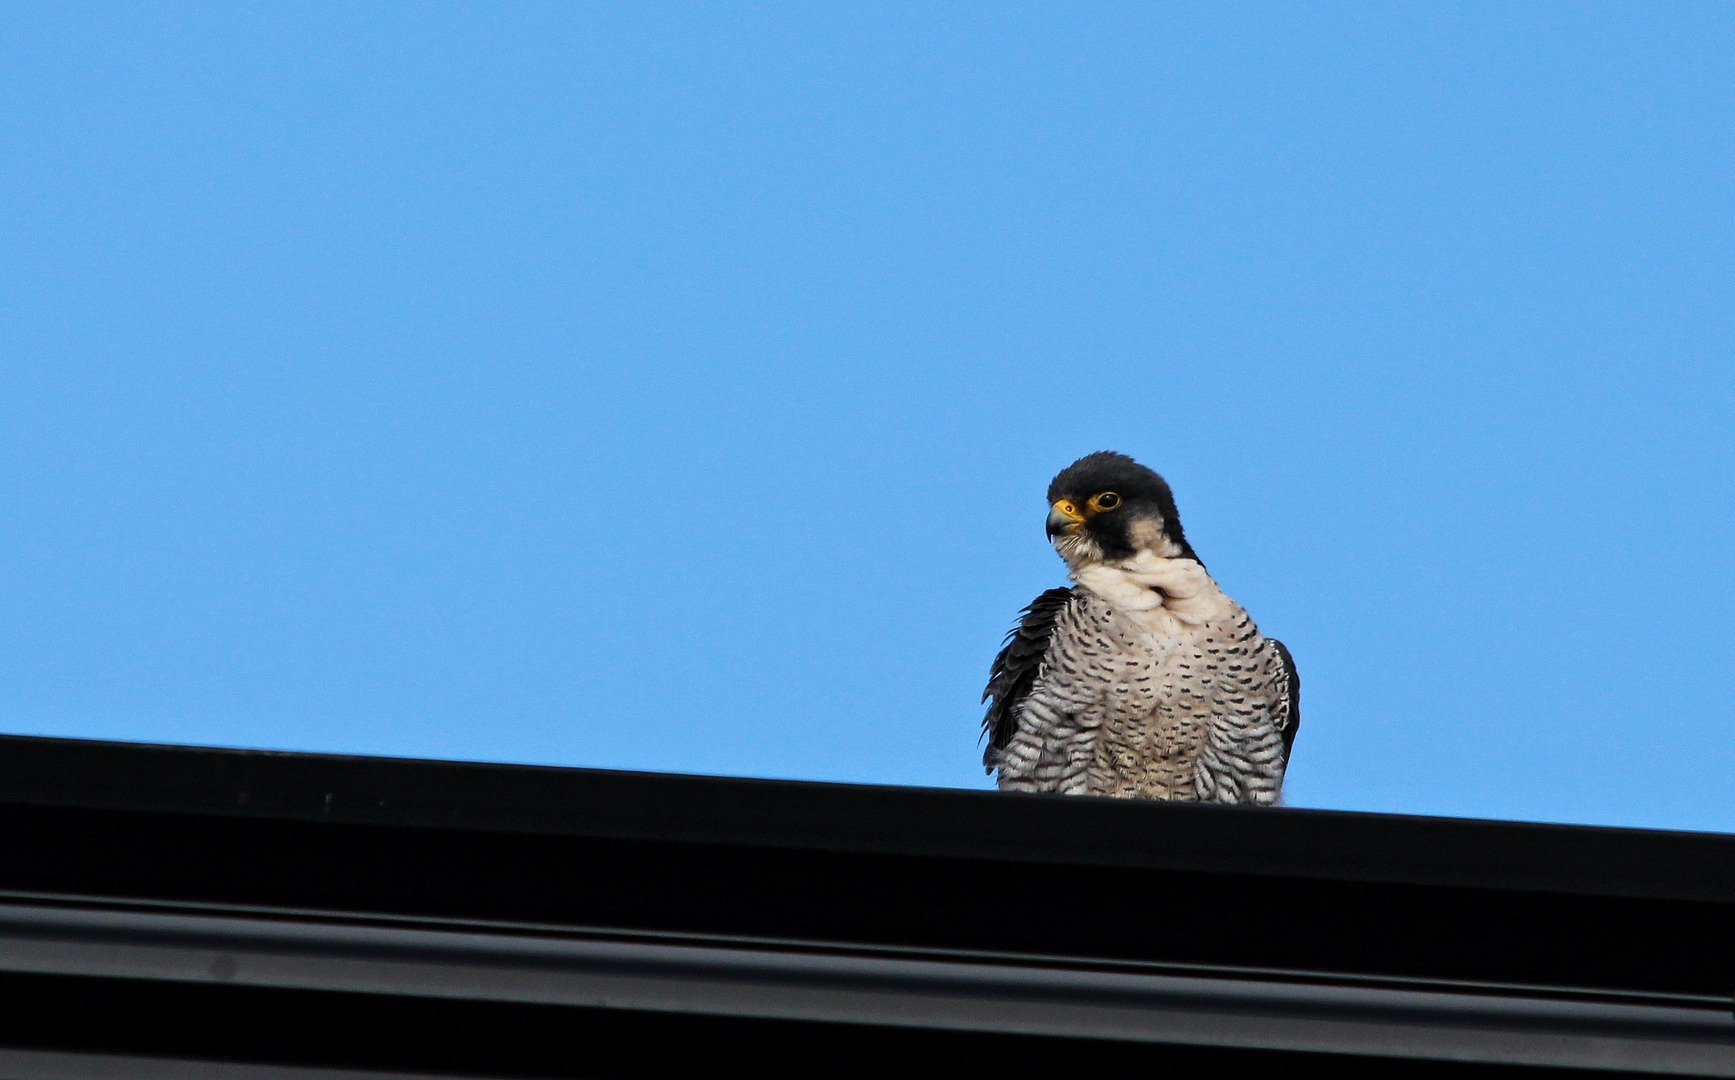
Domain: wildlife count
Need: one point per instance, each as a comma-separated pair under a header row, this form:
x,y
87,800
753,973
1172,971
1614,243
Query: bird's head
x,y
1107,507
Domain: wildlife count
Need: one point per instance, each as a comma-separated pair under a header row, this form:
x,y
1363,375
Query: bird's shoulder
x,y
1019,663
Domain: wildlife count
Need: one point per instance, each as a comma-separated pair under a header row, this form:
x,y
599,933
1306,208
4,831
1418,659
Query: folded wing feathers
x,y
1016,668
1292,723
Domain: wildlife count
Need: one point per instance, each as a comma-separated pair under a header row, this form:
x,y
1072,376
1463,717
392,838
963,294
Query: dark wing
x,y
1293,692
1016,668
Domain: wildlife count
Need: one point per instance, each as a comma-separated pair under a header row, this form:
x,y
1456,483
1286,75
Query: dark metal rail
x,y
848,912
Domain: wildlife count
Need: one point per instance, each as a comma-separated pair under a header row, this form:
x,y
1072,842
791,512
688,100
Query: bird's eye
x,y
1108,500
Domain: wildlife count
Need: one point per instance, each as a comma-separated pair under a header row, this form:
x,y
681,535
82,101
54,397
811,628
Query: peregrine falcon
x,y
1142,680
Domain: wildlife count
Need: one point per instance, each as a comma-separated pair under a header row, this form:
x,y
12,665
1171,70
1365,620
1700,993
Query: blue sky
x,y
676,387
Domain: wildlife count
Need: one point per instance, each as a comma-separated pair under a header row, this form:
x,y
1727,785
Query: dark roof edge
x,y
854,818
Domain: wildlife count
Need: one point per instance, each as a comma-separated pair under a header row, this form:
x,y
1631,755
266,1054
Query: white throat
x,y
1164,594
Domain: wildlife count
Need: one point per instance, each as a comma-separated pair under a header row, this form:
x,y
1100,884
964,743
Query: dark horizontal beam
x,y
534,800
851,985
156,1030
838,908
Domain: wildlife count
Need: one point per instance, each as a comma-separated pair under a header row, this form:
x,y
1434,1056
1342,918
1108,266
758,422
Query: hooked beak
x,y
1064,519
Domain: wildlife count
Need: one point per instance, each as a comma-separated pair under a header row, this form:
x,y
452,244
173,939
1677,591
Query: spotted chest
x,y
1160,693
1154,685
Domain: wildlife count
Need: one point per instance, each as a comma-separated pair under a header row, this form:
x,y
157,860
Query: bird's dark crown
x,y
1142,493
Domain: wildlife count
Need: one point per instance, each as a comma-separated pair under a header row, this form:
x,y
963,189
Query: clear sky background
x,y
676,387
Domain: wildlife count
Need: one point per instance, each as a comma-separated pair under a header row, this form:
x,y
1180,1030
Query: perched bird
x,y
1142,680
